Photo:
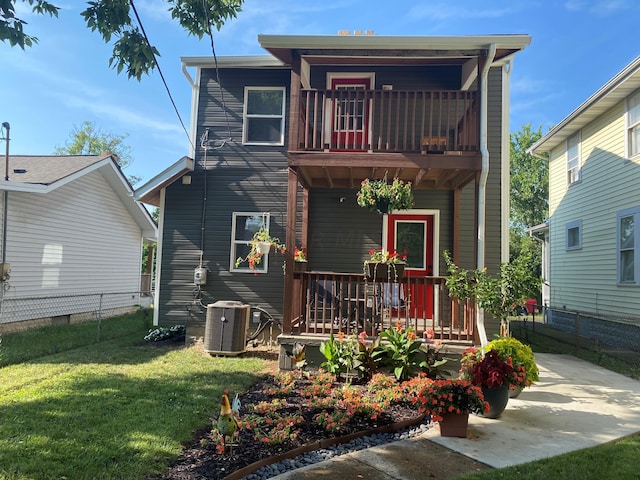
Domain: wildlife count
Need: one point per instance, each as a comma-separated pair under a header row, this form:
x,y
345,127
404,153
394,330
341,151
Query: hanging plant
x,y
261,243
384,197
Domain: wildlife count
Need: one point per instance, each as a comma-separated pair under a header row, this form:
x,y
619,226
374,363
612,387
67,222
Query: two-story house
x,y
284,141
594,214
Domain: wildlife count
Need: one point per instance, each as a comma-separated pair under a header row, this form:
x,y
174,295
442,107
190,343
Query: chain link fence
x,y
22,313
584,333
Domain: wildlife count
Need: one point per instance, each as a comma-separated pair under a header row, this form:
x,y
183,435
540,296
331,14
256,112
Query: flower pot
x,y
263,247
497,397
382,206
454,424
515,391
299,267
385,272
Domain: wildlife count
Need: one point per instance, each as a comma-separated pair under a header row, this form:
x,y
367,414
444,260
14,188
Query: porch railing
x,y
388,120
348,303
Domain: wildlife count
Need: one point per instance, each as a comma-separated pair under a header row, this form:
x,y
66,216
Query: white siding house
x,y
594,211
73,232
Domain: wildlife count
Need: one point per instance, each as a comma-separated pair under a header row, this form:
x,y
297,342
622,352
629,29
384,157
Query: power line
x,y
155,60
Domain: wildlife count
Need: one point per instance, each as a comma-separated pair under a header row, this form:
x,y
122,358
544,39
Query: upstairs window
x,y
573,159
263,116
574,235
628,239
633,125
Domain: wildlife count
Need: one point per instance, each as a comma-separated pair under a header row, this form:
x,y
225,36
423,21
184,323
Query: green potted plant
x,y
489,371
385,197
450,402
260,244
525,371
384,266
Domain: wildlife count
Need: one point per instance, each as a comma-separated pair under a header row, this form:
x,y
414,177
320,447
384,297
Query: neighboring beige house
x,y
594,213
73,231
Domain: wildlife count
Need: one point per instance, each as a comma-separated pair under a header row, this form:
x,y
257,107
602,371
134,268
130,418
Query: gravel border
x,y
322,454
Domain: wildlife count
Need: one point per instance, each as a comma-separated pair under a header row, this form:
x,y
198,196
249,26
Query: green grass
x,y
22,346
612,461
109,410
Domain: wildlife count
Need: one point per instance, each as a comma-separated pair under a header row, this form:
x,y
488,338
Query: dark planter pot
x,y
497,397
515,391
385,272
299,267
454,425
382,206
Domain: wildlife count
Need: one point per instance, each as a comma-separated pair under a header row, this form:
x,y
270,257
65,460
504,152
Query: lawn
x,y
78,408
112,409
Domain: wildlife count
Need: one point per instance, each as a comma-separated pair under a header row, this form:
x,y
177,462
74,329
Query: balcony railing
x,y
348,303
417,121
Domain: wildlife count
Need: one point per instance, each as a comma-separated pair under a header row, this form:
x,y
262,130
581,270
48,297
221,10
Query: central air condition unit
x,y
225,331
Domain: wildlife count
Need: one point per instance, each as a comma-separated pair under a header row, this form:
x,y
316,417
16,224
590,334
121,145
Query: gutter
x,y
482,187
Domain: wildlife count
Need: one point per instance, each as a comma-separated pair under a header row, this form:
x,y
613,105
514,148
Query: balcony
x,y
428,137
433,121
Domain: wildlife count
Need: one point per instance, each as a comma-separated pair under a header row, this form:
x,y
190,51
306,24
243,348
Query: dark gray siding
x,y
342,233
234,178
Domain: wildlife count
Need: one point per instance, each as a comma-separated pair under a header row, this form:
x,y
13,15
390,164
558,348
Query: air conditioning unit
x,y
225,330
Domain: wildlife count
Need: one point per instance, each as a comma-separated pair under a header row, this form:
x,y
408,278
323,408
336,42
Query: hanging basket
x,y
385,197
263,247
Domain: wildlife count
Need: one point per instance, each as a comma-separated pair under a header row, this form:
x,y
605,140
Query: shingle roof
x,y
46,169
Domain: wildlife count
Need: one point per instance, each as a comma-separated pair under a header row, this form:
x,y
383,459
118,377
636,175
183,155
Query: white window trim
x,y
244,267
245,116
571,225
578,168
628,127
635,212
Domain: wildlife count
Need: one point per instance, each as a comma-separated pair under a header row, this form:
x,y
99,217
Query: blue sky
x,y
46,90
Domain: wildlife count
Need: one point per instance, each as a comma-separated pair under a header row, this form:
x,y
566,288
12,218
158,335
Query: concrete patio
x,y
575,405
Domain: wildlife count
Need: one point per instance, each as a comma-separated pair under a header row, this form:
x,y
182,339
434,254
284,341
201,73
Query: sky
x,y
53,87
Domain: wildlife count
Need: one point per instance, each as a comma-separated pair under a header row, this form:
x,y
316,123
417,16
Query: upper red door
x,y
350,124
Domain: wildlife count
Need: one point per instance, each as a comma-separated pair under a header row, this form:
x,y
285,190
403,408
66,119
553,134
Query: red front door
x,y
350,112
413,234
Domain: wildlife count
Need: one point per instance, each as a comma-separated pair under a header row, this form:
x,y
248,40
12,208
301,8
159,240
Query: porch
x,y
351,303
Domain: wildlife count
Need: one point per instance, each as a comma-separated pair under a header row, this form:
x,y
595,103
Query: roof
x,y
394,48
41,174
46,170
150,192
612,92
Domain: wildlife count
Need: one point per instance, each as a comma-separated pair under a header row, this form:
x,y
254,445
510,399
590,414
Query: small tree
x,y
88,139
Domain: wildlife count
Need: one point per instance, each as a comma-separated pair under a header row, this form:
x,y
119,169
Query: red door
x,y
413,235
350,124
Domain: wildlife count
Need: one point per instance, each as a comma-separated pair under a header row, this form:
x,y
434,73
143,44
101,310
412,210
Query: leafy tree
x,y
529,181
87,139
113,18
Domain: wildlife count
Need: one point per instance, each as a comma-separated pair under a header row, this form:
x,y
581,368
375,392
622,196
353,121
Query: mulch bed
x,y
200,460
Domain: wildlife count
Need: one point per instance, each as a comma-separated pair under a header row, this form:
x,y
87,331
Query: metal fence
x,y
584,333
20,313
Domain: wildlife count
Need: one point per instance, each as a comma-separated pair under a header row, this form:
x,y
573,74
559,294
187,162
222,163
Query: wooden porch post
x,y
292,196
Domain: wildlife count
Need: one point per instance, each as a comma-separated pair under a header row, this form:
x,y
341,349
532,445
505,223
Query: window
x,y
574,235
263,116
628,268
573,159
244,226
633,125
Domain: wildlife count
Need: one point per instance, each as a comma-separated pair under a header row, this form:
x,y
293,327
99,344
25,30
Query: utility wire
x,y
155,60
215,60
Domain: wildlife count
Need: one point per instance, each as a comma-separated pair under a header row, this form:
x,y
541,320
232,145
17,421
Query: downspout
x,y
484,174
